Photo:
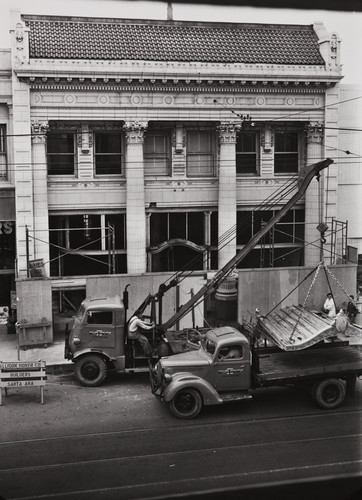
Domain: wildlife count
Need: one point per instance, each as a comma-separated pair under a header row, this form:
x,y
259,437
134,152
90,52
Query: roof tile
x,y
63,38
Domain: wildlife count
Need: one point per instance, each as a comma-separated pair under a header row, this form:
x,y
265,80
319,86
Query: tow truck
x,y
98,340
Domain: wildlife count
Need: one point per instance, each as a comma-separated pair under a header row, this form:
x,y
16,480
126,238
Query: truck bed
x,y
323,360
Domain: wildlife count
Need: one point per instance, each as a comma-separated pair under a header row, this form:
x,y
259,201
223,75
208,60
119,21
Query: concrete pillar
x,y
40,194
135,196
23,179
313,197
227,193
207,233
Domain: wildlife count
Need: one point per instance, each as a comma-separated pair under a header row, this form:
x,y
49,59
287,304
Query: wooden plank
x,y
298,364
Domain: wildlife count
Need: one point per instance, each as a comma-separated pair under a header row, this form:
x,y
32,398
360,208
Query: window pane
x,y
61,165
195,227
108,164
99,317
286,142
157,153
108,143
108,157
158,228
243,227
177,225
60,153
285,163
118,222
246,142
3,161
200,157
60,143
200,165
84,233
246,163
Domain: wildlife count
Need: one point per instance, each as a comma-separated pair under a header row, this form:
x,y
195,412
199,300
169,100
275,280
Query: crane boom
x,y
304,179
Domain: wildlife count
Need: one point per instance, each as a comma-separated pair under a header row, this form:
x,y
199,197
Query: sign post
x,y
19,374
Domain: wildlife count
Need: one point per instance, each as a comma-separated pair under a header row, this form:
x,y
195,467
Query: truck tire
x,y
91,370
351,383
186,404
329,393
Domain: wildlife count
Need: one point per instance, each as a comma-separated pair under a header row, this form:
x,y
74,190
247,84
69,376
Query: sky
x,y
346,24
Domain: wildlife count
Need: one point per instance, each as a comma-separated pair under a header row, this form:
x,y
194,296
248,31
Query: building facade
x,y
147,146
7,190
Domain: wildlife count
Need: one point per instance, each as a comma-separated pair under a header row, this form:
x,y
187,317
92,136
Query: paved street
x,y
118,441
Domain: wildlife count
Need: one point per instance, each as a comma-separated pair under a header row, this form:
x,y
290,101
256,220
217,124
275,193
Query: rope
x,y
338,283
321,264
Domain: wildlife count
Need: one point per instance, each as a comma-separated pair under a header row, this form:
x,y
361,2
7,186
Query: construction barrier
x,y
19,374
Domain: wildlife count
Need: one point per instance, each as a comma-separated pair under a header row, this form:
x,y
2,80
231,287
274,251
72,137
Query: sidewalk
x,y
53,354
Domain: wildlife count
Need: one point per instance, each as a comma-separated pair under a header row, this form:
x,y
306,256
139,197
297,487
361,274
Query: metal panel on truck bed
x,y
340,360
295,327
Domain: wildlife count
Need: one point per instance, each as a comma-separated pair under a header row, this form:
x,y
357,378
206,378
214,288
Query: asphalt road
x,y
117,441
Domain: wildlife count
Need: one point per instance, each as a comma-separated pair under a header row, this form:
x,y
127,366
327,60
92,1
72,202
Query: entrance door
x,y
232,368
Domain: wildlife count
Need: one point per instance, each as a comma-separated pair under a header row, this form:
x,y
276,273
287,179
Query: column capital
x,y
315,132
227,132
38,132
135,131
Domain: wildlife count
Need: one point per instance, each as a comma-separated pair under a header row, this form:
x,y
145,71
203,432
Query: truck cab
x,y
97,339
219,370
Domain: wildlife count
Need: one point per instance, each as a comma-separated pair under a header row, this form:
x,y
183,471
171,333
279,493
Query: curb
x,y
59,368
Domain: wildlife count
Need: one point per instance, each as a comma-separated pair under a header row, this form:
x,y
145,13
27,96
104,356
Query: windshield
x,y
80,313
209,347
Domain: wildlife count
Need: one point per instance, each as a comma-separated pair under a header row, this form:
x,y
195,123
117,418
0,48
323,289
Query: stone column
x,y
135,197
23,181
313,197
207,238
40,193
227,193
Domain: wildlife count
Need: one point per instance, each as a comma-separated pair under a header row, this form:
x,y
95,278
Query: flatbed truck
x,y
229,366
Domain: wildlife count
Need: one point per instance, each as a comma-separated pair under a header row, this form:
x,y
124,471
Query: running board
x,y
235,396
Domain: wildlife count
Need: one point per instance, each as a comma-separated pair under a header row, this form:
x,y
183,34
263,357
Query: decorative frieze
x,y
39,131
315,132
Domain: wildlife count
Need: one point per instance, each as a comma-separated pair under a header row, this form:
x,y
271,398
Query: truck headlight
x,y
166,377
77,341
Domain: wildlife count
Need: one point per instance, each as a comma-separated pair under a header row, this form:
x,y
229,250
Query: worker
x,y
352,310
232,352
135,324
329,306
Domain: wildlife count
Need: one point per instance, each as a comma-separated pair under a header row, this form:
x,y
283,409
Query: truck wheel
x,y
351,383
91,370
186,404
329,393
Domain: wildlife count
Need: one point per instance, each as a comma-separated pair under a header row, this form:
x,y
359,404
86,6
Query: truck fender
x,y
183,379
78,354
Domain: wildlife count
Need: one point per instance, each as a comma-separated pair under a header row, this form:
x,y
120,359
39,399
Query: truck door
x,y
232,368
99,330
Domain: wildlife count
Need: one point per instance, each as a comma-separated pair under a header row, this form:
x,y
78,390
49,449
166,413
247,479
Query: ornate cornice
x,y
180,85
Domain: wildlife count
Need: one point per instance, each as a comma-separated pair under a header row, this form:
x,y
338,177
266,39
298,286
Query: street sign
x,y
15,374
